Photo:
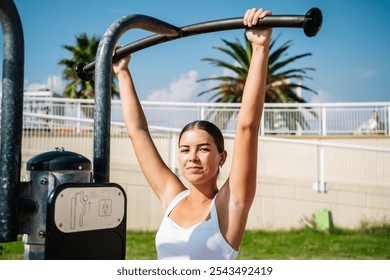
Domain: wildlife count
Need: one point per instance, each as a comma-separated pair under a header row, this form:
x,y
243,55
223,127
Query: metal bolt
x,y
41,234
44,181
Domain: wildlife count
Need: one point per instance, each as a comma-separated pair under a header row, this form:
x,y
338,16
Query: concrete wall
x,y
279,203
358,187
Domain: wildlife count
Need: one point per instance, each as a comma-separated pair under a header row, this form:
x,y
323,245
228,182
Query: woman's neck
x,y
202,194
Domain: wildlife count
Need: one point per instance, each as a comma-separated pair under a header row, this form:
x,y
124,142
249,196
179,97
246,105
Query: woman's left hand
x,y
122,64
257,36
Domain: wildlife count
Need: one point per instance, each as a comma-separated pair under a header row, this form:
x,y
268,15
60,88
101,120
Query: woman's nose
x,y
193,156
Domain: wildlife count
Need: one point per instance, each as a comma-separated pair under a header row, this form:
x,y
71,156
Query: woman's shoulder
x,y
174,194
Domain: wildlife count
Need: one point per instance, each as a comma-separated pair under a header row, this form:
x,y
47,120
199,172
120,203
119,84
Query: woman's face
x,y
199,158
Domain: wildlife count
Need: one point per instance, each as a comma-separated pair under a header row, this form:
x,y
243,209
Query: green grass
x,y
12,250
306,244
140,245
367,243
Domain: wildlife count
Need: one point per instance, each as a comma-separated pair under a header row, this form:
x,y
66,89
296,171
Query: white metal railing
x,y
320,184
278,119
48,120
317,161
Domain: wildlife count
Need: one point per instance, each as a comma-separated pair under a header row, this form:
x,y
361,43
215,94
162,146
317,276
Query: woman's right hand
x,y
122,64
257,36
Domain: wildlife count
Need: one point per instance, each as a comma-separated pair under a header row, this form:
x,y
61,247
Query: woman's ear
x,y
223,158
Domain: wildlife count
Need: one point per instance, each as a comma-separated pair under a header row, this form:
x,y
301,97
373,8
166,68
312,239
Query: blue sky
x,y
350,54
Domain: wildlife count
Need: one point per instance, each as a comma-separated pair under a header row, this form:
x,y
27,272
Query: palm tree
x,y
280,88
84,51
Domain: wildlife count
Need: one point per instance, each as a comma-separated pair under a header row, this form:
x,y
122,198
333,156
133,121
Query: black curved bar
x,y
311,23
102,112
132,21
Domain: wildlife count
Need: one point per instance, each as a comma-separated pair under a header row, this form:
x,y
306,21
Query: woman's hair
x,y
210,128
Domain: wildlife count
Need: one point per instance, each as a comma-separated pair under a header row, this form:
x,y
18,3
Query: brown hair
x,y
210,128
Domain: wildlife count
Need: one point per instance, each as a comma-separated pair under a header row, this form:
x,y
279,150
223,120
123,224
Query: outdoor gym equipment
x,y
60,211
65,210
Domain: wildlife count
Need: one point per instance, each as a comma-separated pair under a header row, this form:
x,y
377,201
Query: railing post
x,y
201,112
78,115
388,120
173,151
323,121
320,185
262,132
321,167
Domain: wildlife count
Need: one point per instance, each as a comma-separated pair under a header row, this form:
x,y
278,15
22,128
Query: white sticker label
x,y
89,208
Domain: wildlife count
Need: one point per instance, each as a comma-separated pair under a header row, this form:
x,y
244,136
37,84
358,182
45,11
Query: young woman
x,y
203,221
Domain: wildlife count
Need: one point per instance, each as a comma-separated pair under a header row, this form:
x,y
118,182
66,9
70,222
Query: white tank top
x,y
202,241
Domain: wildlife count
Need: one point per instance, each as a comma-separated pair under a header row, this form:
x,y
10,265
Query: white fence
x,y
279,119
317,161
70,119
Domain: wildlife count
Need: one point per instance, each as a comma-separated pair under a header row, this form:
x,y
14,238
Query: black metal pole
x,y
102,111
11,118
311,24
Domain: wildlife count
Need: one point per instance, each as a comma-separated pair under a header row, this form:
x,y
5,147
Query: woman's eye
x,y
184,150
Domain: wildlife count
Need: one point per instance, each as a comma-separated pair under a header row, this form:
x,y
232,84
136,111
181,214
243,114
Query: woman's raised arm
x,y
241,186
163,181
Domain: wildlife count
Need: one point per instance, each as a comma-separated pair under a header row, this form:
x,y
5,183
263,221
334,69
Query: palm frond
x,y
221,78
209,90
219,63
275,66
281,80
239,53
84,50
